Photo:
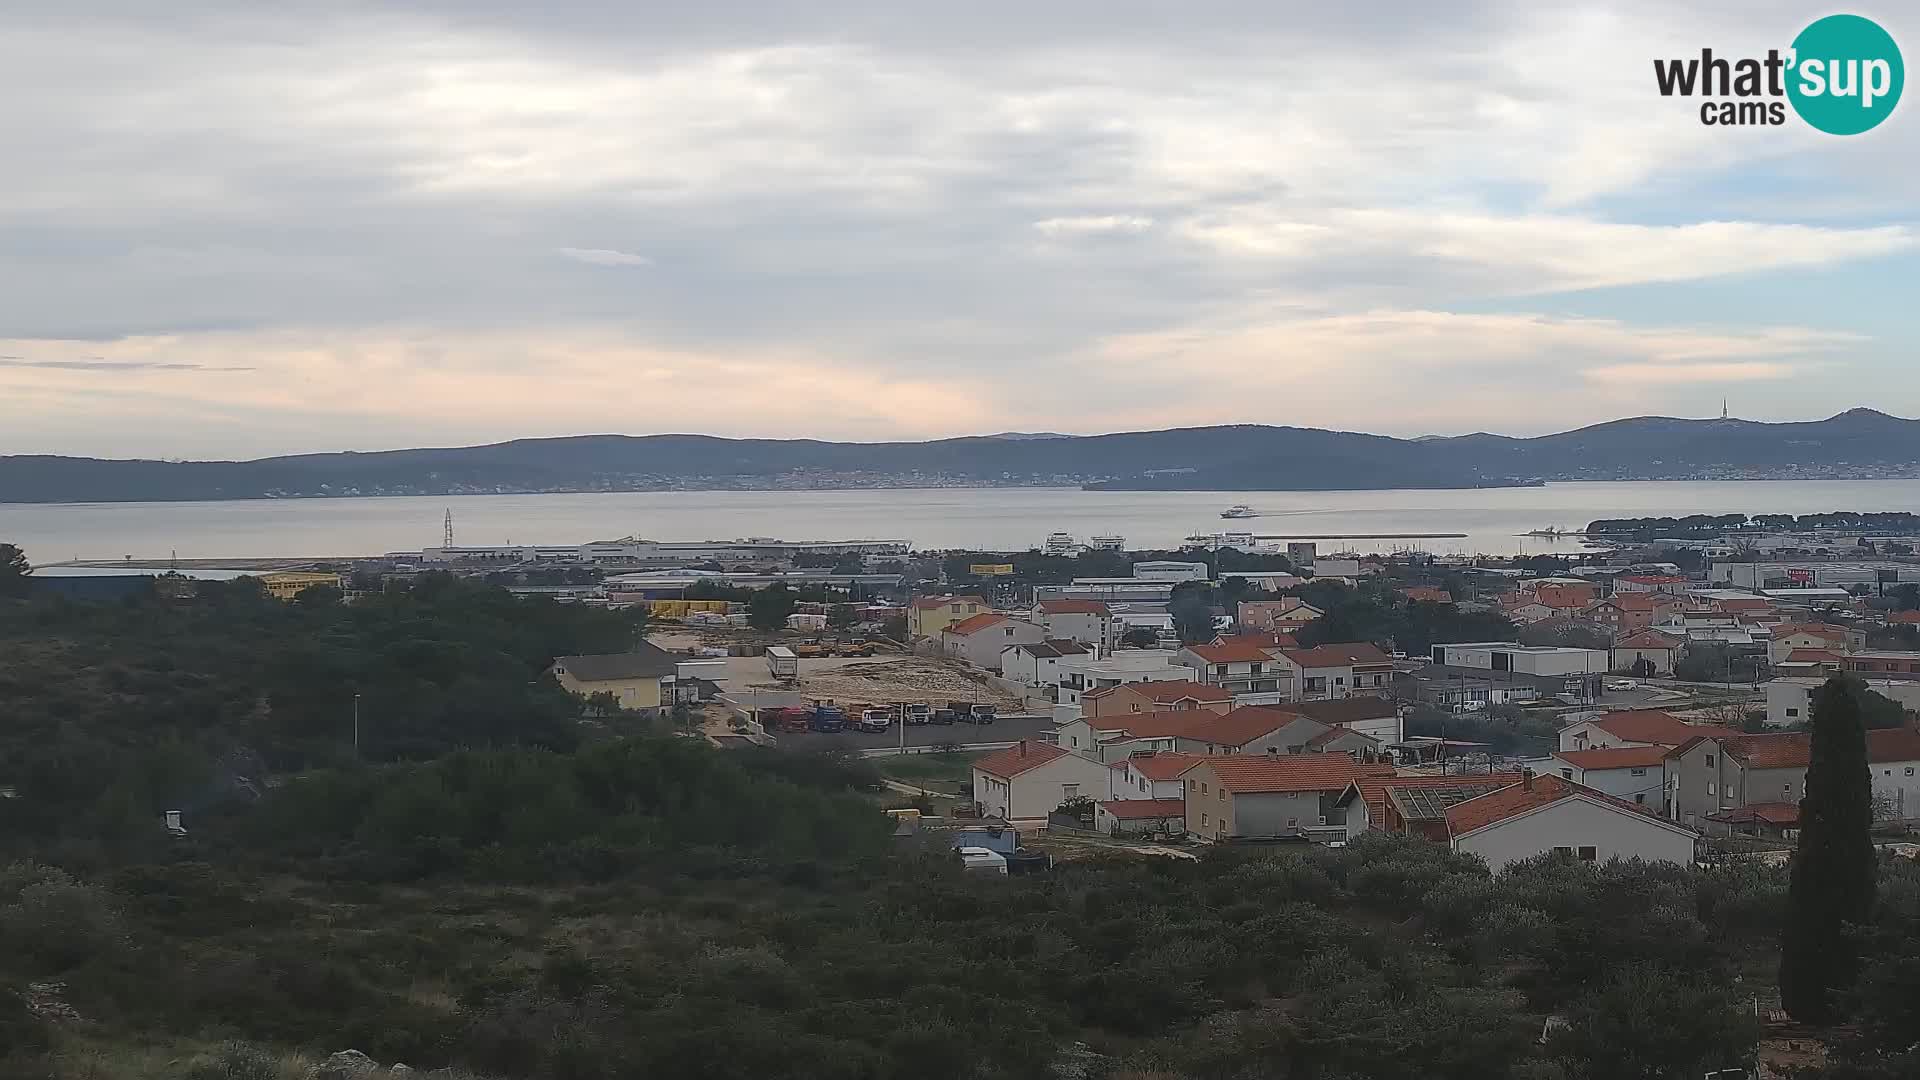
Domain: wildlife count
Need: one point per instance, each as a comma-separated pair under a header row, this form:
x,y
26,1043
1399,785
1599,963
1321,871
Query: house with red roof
x,y
1285,615
1115,721
1903,618
979,640
1244,796
1647,652
1425,594
1089,622
1029,779
1634,773
1339,670
1265,729
1240,668
1626,612
1708,776
1412,805
1671,584
1145,794
1541,814
1825,636
1633,727
1038,664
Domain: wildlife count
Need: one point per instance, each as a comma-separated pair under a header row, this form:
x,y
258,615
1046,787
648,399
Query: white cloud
x,y
605,257
1101,223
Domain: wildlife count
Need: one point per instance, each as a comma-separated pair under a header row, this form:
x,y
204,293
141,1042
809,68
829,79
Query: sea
x,y
1494,521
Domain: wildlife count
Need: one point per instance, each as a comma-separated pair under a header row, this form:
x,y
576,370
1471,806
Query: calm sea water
x,y
1005,519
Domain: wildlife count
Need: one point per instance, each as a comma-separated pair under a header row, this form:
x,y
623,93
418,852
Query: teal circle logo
x,y
1846,75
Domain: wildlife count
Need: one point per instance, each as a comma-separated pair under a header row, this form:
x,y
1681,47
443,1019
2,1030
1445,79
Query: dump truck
x,y
828,720
968,712
875,719
918,713
855,647
788,719
782,664
812,649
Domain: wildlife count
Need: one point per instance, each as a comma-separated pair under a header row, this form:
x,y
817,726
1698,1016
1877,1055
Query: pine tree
x,y
1832,884
14,569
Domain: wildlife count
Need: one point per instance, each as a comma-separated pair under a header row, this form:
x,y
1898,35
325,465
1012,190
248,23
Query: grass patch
x,y
924,769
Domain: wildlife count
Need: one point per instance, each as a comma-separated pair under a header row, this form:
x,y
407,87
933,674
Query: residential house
x,y
980,640
927,616
1425,594
1080,675
1824,636
1648,652
1636,774
1337,671
1258,729
1037,664
1258,796
1563,596
1141,817
1156,696
1634,727
1029,779
1541,814
1149,775
1623,613
1412,805
1884,664
634,679
1790,698
1264,639
1525,611
1814,664
1088,622
1240,669
1710,776
1285,615
1903,618
1376,716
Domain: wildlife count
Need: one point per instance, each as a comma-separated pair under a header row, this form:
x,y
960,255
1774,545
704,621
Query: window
x,y
1563,851
1203,818
1069,791
1339,680
1567,773
1709,787
1793,712
1640,799
1709,761
1193,785
1223,794
1589,854
1203,787
1636,772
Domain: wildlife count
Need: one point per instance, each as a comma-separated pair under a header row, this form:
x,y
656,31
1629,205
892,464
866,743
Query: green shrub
x,y
234,1061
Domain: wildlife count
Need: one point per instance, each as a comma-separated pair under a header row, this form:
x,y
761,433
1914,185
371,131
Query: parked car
x,y
1621,684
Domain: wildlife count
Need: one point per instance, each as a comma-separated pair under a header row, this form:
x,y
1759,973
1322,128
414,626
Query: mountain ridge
x,y
1235,457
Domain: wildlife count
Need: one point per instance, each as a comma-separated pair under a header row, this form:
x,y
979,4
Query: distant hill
x,y
1246,457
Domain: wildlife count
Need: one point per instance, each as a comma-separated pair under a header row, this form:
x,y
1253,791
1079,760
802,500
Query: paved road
x,y
1004,730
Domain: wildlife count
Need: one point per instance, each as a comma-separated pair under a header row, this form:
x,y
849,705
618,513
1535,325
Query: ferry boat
x,y
1060,544
1238,511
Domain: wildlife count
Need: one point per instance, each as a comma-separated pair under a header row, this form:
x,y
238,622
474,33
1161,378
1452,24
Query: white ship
x,y
1239,510
1107,543
1062,544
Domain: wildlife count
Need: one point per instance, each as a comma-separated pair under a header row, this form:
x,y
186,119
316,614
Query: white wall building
x,y
1088,622
1081,674
1790,700
1548,814
1029,779
1525,659
1163,570
1037,664
980,640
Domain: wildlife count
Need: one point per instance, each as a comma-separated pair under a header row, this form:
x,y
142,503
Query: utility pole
x,y
356,726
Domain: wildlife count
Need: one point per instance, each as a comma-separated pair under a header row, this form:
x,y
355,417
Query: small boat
x,y
1238,511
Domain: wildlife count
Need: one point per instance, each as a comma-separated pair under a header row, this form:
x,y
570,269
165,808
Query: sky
x,y
237,229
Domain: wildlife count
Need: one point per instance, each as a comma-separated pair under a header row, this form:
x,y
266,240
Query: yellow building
x,y
287,584
932,614
634,678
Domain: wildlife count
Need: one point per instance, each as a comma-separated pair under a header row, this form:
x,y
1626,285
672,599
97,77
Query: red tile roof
x,y
1893,744
1165,765
1898,617
975,624
1021,757
1243,725
1073,607
1620,757
1744,603
1427,594
1819,630
1373,789
1313,772
1346,710
1151,725
1346,654
1516,799
1137,809
1655,727
1780,814
1812,656
1232,654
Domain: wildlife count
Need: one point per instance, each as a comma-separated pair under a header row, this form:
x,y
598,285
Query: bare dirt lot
x,y
903,679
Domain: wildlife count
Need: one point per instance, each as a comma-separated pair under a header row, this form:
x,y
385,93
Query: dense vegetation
x,y
500,887
1692,524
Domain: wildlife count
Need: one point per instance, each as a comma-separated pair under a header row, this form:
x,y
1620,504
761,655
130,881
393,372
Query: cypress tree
x,y
1833,867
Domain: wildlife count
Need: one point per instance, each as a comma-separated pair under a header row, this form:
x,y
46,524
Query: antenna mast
x,y
446,539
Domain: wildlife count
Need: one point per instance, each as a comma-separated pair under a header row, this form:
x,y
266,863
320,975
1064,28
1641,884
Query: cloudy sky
x,y
237,229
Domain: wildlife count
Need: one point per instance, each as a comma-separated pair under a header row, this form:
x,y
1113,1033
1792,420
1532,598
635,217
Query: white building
x,y
1089,622
1525,659
980,639
1542,814
1335,671
1636,774
1037,664
1082,674
1790,700
1164,570
1029,779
